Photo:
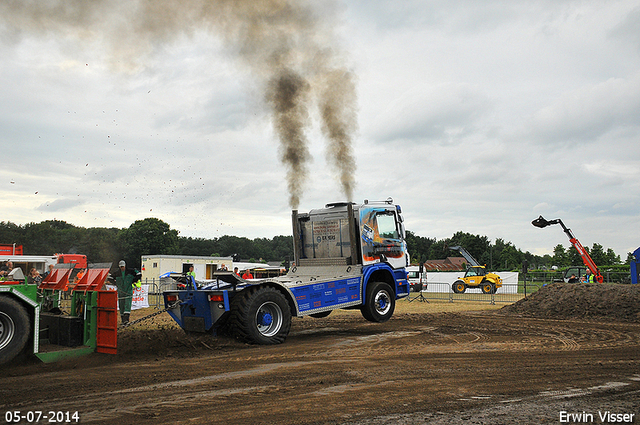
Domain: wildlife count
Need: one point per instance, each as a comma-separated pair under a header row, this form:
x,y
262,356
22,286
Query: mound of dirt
x,y
168,342
571,300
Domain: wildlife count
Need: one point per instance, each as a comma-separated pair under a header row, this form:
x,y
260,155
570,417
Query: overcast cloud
x,y
473,115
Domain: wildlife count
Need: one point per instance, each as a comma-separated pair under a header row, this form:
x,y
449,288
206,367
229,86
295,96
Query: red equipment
x,y
58,280
586,258
79,261
11,249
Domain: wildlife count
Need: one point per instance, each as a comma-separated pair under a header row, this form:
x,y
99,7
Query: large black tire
x,y
261,315
15,328
459,287
488,287
380,302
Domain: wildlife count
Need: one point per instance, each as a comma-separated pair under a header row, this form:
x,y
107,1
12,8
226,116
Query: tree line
x,y
503,255
153,236
150,236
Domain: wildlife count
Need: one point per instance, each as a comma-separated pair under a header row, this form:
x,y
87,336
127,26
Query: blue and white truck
x,y
347,256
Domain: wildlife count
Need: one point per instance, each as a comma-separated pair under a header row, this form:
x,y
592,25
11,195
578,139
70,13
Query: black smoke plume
x,y
288,45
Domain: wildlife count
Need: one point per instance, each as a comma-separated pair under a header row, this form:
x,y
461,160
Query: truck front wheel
x,y
15,328
262,316
379,303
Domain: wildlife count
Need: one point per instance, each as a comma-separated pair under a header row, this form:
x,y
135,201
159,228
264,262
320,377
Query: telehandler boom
x,y
541,222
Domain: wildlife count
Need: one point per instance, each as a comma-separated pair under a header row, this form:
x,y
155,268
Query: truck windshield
x,y
387,226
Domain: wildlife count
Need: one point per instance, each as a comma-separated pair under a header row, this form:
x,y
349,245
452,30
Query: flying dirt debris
x,y
288,45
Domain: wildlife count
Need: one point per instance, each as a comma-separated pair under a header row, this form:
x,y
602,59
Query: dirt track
x,y
418,368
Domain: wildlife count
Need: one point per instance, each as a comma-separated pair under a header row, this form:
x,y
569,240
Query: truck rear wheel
x,y
459,287
379,303
261,316
15,329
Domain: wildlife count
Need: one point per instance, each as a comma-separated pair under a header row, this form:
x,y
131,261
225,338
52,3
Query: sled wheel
x,y
15,329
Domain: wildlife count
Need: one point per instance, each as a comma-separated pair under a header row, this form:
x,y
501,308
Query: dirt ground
x,y
568,349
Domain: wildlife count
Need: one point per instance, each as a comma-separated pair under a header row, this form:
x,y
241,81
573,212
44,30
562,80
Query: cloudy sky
x,y
475,116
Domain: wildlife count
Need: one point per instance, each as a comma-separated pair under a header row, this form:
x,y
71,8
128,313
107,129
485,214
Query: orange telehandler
x,y
586,258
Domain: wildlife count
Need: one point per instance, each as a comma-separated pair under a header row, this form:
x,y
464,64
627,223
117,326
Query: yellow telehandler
x,y
476,276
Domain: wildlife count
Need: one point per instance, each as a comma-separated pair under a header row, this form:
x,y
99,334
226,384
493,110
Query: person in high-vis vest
x,y
124,281
191,276
588,277
191,272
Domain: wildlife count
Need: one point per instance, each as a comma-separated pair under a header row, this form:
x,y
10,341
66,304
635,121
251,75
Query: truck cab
x,y
351,234
361,243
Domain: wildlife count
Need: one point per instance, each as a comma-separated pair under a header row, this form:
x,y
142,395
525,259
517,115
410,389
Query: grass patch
x,y
443,306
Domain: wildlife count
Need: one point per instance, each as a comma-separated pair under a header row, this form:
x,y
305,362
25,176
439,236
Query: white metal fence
x,y
439,287
514,286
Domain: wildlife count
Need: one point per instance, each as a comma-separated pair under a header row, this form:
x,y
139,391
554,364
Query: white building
x,y
155,265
